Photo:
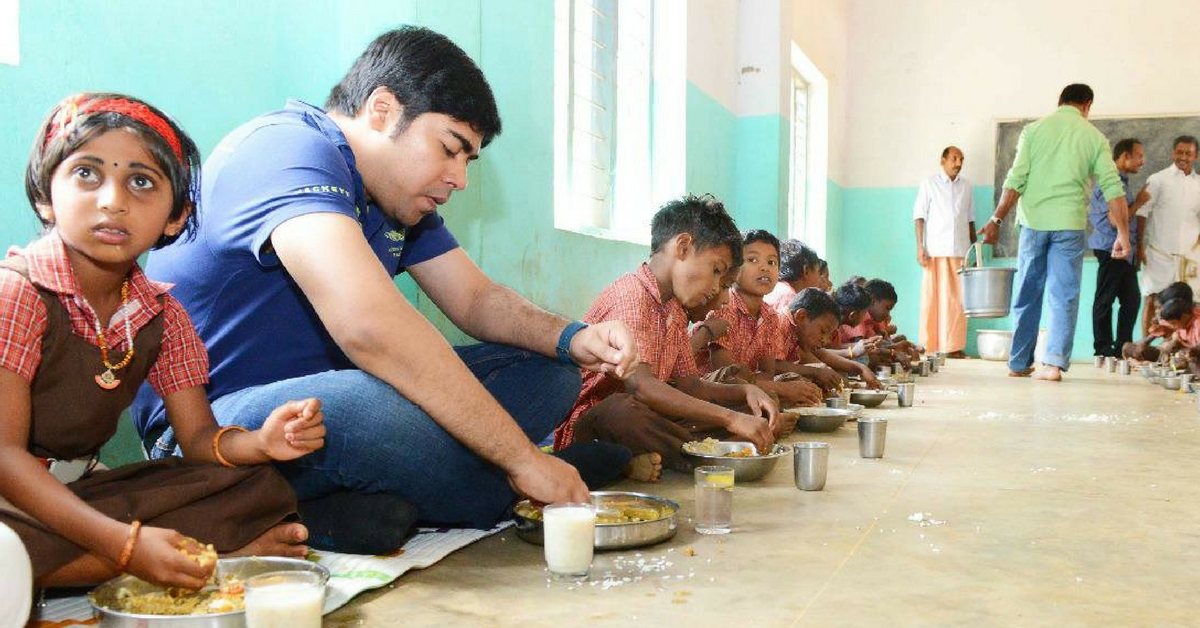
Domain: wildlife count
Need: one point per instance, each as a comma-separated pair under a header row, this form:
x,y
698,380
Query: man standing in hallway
x,y
1170,220
945,217
1116,279
1057,159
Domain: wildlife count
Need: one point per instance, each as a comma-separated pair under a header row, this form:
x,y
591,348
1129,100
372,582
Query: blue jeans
x,y
378,441
1049,262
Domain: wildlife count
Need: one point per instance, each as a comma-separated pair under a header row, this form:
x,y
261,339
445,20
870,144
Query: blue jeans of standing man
x,y
378,441
1051,263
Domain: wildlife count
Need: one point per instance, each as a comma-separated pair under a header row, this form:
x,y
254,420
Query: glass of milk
x,y
568,535
285,599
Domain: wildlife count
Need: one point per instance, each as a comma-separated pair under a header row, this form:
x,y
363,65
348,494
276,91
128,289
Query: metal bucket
x,y
986,291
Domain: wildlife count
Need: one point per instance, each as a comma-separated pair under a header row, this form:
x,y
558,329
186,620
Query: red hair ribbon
x,y
78,105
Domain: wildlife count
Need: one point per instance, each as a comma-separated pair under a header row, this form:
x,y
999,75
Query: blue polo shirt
x,y
254,319
1104,235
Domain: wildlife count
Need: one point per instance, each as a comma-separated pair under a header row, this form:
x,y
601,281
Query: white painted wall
x,y
821,29
926,73
762,59
712,49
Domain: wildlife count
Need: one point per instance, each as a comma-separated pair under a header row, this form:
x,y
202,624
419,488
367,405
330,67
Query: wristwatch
x,y
995,220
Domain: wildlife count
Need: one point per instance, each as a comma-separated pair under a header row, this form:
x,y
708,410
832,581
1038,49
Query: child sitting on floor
x,y
853,301
1180,319
878,323
826,285
750,346
813,316
1143,350
798,269
82,328
693,245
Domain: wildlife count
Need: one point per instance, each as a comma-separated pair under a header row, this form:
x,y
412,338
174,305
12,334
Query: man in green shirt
x,y
1058,158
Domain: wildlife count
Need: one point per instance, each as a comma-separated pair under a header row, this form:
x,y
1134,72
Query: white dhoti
x,y
1163,269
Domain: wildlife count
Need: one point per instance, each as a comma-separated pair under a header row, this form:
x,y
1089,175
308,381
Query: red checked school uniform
x,y
48,338
780,297
182,361
749,339
659,328
1191,334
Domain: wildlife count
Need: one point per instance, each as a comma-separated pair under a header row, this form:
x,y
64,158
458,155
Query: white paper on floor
x,y
350,574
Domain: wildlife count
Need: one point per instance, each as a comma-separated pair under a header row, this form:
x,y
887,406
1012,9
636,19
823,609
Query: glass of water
x,y
714,500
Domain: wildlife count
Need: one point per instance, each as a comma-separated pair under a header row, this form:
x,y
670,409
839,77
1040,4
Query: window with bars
x,y
619,124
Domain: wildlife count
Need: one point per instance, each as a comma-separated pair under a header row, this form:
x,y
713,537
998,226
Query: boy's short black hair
x,y
857,280
760,235
822,266
851,297
427,73
1076,94
1174,309
815,303
1177,290
1125,146
881,290
704,217
795,257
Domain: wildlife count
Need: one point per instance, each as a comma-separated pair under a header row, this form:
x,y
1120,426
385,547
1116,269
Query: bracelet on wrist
x,y
130,543
216,444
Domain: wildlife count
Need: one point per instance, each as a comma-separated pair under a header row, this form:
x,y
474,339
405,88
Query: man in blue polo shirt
x,y
307,215
1116,279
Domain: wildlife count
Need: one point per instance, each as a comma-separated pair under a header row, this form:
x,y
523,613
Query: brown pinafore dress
x,y
71,417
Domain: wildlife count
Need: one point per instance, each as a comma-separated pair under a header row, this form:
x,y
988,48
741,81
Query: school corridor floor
x,y
999,502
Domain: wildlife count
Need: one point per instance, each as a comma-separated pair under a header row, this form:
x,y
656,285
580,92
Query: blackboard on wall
x,y
1156,133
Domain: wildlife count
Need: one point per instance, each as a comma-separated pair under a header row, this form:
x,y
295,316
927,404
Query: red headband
x,y
72,108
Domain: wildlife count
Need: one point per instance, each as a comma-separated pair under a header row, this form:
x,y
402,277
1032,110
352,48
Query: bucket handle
x,y
977,247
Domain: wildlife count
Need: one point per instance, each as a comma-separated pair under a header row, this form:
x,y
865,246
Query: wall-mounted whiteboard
x,y
1156,134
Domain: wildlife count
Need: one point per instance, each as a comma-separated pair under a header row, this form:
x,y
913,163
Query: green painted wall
x,y
882,219
760,173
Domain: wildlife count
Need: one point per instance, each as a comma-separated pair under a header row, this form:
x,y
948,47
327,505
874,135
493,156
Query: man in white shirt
x,y
945,218
1170,221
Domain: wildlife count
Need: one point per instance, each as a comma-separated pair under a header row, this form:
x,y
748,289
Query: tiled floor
x,y
1073,504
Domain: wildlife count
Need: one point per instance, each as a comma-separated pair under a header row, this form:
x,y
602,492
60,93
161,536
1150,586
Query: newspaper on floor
x,y
350,574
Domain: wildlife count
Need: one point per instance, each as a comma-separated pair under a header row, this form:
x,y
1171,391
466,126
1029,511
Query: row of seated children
x,y
666,402
741,361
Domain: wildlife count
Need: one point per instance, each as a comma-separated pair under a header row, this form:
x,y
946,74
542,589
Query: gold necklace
x,y
108,379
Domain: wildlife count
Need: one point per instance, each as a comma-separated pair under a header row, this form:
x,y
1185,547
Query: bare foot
x,y
285,539
1021,373
644,467
1049,374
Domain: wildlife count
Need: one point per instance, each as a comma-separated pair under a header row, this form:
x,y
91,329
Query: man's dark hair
x,y
760,235
851,297
427,73
881,290
1177,290
704,217
1125,146
1174,309
946,151
814,302
795,257
1185,139
1076,94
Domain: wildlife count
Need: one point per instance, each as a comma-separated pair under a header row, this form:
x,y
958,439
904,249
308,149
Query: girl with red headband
x,y
81,328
